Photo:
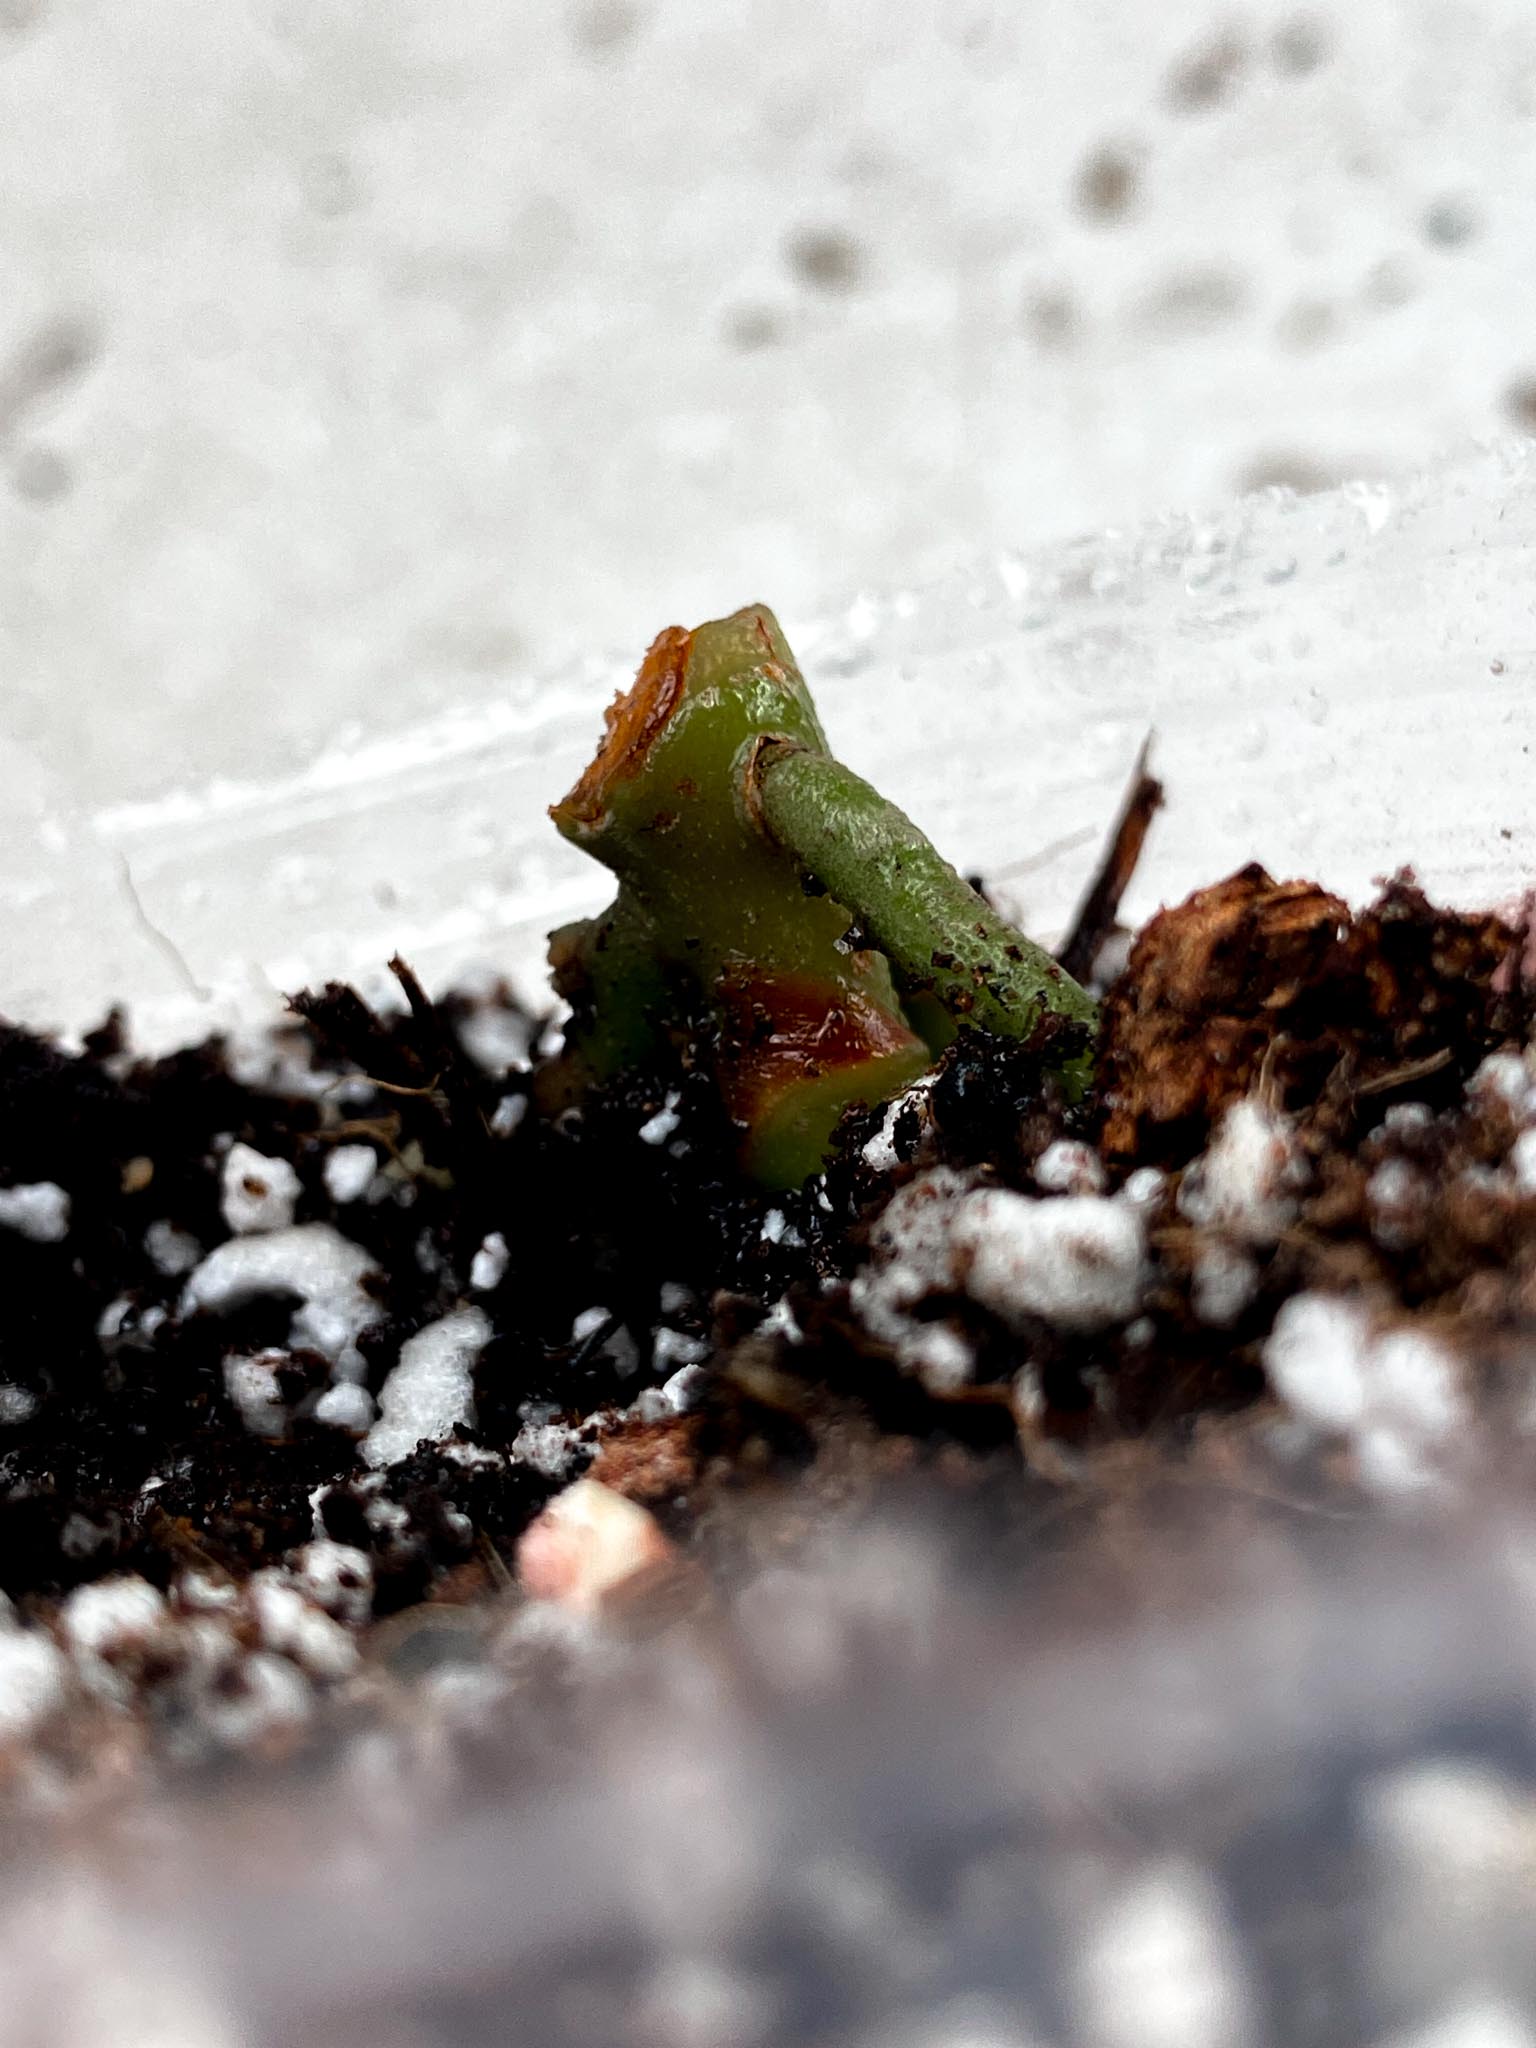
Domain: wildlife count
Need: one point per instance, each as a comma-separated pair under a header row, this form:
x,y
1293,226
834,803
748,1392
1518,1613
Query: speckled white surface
x,y
362,368
1337,684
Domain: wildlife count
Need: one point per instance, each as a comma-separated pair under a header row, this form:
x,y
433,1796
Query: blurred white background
x,y
364,360
353,348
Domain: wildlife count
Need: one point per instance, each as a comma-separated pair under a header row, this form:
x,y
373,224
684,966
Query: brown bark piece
x,y
650,1461
1254,983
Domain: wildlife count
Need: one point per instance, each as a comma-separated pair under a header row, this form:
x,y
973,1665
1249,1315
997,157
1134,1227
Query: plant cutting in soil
x,y
831,1177
777,912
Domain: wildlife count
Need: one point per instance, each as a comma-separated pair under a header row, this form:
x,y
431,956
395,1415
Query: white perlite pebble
x,y
548,1446
257,1193
1395,1194
1247,1181
1504,1075
913,1256
432,1390
1077,1261
1404,1117
1144,1187
110,1613
684,1391
39,1209
679,1395
17,1404
388,1520
495,1038
880,1153
941,1358
1397,1396
295,1627
250,1381
1223,1284
114,1318
34,1677
346,1406
780,1322
1069,1167
270,1696
672,1348
110,1620
202,1593
488,1268
349,1172
312,1260
337,1577
619,1348
657,1129
914,1251
1522,1162
507,1115
473,1457
171,1251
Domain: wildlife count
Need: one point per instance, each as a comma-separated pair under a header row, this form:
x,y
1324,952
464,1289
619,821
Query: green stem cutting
x,y
764,884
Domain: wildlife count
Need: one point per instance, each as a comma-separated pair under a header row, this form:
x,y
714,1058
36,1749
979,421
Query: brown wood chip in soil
x,y
1276,986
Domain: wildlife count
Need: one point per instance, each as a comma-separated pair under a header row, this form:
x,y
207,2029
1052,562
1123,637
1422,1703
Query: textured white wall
x,y
363,361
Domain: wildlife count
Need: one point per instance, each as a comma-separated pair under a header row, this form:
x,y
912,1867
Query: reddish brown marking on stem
x,y
783,1029
631,725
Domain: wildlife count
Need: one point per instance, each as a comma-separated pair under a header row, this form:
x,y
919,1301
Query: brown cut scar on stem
x,y
630,728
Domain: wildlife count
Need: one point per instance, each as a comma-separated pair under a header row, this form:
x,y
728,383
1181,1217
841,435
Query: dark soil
x,y
1250,986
